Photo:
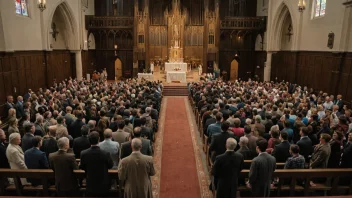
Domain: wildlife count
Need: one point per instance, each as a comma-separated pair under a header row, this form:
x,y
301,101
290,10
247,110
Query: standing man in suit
x,y
210,121
75,128
63,164
252,140
262,168
96,163
49,143
146,149
19,107
27,95
305,144
346,157
8,105
218,142
39,129
321,155
339,102
4,163
81,143
120,135
69,117
27,138
226,170
282,151
36,159
111,147
135,172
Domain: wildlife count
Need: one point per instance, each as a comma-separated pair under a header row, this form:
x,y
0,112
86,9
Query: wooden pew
x,y
45,175
307,175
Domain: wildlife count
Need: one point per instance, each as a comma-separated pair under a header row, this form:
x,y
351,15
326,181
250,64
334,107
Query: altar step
x,y
170,90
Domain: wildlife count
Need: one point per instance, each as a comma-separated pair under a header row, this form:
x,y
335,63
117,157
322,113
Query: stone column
x,y
267,68
79,68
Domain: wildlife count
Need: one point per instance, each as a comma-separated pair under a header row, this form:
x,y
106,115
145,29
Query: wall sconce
x,y
115,47
42,5
301,5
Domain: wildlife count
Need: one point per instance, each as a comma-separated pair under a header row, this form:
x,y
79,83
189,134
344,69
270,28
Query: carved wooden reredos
x,y
150,28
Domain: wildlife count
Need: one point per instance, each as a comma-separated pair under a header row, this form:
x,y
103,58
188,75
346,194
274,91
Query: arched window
x,y
21,7
319,8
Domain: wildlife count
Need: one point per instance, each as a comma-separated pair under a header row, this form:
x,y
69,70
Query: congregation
x,y
269,123
89,125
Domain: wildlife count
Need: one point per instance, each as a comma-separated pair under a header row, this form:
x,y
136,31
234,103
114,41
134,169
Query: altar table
x,y
176,76
172,66
146,76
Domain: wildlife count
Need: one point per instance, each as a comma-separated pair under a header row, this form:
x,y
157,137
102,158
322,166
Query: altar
x,y
146,76
172,66
176,76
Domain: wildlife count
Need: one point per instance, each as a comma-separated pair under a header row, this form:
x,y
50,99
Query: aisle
x,y
178,164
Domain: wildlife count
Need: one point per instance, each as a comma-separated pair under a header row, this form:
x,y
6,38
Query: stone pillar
x,y
267,68
79,68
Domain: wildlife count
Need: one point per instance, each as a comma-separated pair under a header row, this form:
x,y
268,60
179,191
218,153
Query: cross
x,y
54,32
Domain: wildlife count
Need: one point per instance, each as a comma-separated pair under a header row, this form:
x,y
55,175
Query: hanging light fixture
x,y
301,5
42,5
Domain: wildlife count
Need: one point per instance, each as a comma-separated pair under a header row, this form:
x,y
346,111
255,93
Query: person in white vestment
x,y
200,70
152,68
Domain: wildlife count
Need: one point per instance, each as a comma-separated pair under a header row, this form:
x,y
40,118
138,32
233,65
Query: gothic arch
x,y
259,43
70,25
281,15
91,41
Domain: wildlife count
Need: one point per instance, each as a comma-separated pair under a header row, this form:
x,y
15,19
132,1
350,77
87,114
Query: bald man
x,y
226,170
135,172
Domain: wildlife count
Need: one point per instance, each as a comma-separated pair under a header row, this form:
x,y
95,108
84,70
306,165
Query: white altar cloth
x,y
146,76
172,66
176,76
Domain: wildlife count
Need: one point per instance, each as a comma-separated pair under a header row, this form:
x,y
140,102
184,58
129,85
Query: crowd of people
x,y
104,125
270,122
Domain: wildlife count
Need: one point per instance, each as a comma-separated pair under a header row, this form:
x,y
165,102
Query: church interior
x,y
175,98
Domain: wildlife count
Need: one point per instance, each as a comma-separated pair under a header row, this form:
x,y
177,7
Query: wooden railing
x,y
243,23
94,22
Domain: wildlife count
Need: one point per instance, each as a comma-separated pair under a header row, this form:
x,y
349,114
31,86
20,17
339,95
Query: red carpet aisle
x,y
179,170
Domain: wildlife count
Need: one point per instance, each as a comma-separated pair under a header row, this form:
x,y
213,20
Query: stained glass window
x,y
319,8
21,7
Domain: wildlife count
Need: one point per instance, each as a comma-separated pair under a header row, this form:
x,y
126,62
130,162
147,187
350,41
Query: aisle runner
x,y
179,169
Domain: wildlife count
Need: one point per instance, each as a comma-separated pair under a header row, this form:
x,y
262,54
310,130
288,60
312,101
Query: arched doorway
x,y
118,69
234,70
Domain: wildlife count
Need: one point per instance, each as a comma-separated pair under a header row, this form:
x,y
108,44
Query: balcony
x,y
107,22
243,23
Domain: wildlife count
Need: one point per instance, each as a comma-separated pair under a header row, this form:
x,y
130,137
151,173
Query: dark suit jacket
x,y
19,110
4,163
126,148
96,163
346,158
218,144
35,159
334,159
39,130
282,151
63,164
305,147
262,168
226,170
75,128
27,141
49,146
7,107
80,144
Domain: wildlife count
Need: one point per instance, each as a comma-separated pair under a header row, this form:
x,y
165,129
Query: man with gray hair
x,y
135,172
111,147
63,164
226,170
39,129
91,124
